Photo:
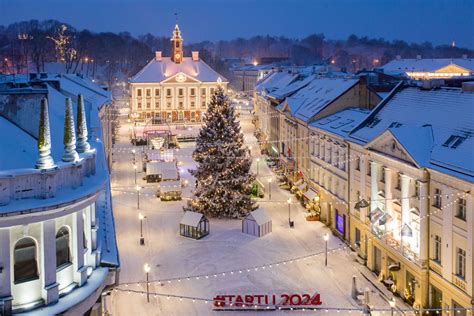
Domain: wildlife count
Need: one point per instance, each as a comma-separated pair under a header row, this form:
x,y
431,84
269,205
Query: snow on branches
x,y
223,173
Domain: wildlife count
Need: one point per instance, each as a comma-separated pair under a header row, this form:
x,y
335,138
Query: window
x,y
193,104
203,91
357,164
417,189
139,105
148,105
168,92
168,104
157,104
193,92
461,209
369,168
212,91
437,197
63,255
139,93
357,237
180,92
437,249
24,256
148,93
203,104
181,104
157,92
461,263
399,181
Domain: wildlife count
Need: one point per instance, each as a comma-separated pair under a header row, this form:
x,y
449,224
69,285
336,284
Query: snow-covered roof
x,y
282,92
426,64
316,96
169,174
191,218
275,80
260,216
157,167
342,122
169,186
435,127
160,70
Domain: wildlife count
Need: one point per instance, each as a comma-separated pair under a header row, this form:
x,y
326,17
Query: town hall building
x,y
174,89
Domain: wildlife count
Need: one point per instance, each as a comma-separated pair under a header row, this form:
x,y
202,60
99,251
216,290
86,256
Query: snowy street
x,y
226,248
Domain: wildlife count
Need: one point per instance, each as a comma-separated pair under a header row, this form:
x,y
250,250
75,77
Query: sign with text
x,y
239,301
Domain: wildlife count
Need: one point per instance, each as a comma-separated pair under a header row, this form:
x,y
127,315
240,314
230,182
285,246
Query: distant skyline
x,y
436,21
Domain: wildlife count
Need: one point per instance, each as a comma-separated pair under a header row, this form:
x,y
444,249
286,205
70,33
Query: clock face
x,y
177,56
180,77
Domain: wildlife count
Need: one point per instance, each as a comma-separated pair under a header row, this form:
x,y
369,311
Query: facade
x,y
174,89
329,166
430,68
58,251
247,76
413,164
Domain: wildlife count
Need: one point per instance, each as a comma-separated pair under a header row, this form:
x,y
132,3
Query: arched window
x,y
25,265
63,255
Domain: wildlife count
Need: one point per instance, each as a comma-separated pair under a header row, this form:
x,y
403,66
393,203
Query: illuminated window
x,y
63,254
25,266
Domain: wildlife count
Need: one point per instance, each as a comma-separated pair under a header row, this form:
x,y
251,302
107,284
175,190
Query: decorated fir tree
x,y
223,178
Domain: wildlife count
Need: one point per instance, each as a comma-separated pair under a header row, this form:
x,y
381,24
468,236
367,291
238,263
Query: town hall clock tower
x,y
177,46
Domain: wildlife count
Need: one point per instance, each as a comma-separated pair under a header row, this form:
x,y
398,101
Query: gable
x,y
452,68
388,145
181,77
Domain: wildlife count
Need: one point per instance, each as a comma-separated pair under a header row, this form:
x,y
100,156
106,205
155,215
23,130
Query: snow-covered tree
x,y
223,175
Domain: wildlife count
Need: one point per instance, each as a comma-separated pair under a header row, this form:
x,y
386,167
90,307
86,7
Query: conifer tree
x,y
223,178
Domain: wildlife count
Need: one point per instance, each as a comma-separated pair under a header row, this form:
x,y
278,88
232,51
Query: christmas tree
x,y
223,178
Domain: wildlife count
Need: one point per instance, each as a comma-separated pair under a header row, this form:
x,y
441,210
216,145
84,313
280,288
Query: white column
x,y
470,243
49,285
388,201
423,207
448,251
362,185
405,201
5,270
373,185
78,248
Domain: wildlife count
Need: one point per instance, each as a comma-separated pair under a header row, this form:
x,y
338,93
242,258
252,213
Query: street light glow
x,y
289,201
326,237
392,302
147,268
137,188
141,216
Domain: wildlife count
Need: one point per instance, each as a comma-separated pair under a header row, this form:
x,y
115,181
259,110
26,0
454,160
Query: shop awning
x,y
310,194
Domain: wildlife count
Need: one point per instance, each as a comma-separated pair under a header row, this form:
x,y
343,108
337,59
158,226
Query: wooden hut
x,y
169,191
194,225
257,223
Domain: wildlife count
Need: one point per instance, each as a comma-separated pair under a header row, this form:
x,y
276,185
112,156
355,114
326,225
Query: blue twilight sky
x,y
438,21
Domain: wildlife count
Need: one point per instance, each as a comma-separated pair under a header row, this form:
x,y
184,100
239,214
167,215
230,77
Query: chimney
x,y
195,56
418,57
158,56
398,57
464,56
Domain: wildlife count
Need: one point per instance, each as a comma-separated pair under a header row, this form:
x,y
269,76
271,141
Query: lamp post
x,y
270,188
258,160
392,303
141,217
289,212
326,238
135,168
133,152
138,196
147,272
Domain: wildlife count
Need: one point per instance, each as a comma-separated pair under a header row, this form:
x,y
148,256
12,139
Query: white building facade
x,y
174,89
57,240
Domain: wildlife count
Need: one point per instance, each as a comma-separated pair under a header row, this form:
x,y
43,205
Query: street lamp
x,y
392,303
258,160
270,188
147,269
141,217
135,168
138,196
289,213
326,238
133,152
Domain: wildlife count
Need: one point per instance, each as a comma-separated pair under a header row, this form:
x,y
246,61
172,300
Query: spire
x,y
177,46
82,144
45,161
70,153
